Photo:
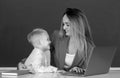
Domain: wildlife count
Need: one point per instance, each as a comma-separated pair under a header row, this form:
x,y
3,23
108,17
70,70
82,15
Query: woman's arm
x,y
82,65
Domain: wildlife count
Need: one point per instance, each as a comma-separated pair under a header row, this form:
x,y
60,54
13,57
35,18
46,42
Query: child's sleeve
x,y
34,60
36,64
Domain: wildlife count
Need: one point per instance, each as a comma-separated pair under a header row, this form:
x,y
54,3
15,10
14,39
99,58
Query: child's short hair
x,y
37,31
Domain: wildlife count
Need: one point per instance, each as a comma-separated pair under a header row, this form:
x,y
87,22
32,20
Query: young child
x,y
39,59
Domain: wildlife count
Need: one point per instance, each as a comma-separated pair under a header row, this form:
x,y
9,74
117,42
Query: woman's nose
x,y
64,27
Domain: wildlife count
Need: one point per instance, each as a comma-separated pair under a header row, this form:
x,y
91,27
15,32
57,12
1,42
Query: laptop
x,y
99,62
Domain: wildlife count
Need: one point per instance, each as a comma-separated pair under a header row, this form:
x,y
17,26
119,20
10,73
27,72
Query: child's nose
x,y
49,42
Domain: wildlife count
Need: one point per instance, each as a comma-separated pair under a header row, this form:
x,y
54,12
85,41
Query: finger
x,y
70,70
22,66
75,70
78,70
81,70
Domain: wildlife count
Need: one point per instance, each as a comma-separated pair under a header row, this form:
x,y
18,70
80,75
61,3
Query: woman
x,y
73,43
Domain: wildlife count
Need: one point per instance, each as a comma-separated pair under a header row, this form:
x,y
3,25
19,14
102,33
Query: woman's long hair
x,y
81,29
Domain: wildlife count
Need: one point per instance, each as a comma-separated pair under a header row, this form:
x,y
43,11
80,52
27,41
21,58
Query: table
x,y
113,73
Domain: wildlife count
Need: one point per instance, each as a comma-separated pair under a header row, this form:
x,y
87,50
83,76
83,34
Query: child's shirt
x,y
37,60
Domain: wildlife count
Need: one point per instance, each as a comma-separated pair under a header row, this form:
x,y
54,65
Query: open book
x,y
14,72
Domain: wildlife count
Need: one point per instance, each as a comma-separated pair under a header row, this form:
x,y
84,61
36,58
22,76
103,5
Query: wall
x,y
19,17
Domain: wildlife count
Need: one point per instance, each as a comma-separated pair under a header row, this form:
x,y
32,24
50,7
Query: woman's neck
x,y
73,38
73,45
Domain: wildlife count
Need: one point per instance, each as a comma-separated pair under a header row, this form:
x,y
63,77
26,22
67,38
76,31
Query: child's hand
x,y
22,66
49,69
61,71
31,69
52,69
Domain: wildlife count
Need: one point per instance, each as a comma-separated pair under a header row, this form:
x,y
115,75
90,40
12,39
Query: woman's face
x,y
67,25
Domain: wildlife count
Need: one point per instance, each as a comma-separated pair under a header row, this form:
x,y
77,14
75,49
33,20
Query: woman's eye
x,y
68,25
63,24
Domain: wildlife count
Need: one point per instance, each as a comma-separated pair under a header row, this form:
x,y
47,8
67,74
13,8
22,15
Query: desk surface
x,y
112,74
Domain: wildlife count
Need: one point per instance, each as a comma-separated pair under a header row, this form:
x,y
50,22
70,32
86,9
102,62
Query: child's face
x,y
40,41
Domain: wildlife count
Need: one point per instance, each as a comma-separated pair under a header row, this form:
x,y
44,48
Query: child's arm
x,y
33,61
36,64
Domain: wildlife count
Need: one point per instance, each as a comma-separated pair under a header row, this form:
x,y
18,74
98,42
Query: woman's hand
x,y
77,70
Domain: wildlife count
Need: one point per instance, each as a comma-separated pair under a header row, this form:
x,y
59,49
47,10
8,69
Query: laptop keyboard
x,y
71,74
